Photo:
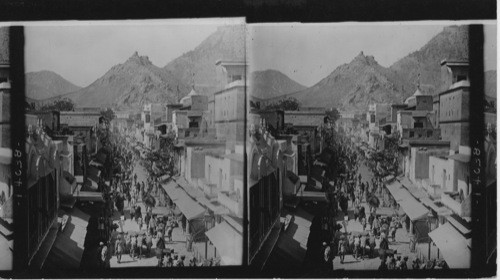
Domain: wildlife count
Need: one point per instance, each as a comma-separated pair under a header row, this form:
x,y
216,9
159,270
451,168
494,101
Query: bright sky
x,y
309,52
82,52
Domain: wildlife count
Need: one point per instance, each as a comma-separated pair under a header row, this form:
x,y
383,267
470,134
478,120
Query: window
x,y
412,134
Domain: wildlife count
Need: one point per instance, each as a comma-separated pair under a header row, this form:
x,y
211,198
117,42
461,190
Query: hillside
x,y
450,44
227,43
363,80
130,85
272,83
47,84
355,85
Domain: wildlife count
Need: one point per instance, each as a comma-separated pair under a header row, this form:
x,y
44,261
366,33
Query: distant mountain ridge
x,y
47,84
364,81
271,84
129,85
137,81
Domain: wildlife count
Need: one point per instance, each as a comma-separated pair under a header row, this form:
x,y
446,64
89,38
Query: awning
x,y
388,178
414,190
89,196
229,243
414,209
203,200
453,245
394,188
189,207
172,190
68,248
441,211
190,190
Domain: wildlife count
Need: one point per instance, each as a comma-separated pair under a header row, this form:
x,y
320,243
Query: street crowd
x,y
344,183
153,231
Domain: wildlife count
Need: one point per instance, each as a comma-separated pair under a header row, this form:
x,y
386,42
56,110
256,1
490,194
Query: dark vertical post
x,y
477,134
18,140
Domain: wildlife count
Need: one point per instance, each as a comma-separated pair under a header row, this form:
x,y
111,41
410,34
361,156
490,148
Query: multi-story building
x,y
229,101
82,124
454,105
306,124
376,114
209,163
266,170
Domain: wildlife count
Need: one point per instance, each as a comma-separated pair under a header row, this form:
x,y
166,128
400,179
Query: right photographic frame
x,y
363,147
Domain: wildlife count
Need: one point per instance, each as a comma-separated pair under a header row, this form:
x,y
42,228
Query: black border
x,y
255,11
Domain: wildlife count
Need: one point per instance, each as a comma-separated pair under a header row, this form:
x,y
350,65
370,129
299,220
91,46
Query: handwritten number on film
x,y
17,155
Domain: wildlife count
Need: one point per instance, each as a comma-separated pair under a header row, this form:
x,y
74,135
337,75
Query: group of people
x,y
153,235
345,184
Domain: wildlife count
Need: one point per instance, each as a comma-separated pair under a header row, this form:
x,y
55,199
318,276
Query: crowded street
x,y
143,227
359,227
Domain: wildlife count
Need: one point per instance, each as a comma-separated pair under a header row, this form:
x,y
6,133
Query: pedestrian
x,y
342,249
160,246
372,243
169,233
363,222
152,224
326,254
139,223
140,243
391,262
357,244
119,248
103,258
404,265
147,217
384,244
398,263
138,213
133,246
192,262
149,242
356,213
363,244
182,260
383,265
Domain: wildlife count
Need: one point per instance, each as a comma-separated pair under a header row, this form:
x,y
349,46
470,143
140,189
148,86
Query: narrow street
x,y
178,243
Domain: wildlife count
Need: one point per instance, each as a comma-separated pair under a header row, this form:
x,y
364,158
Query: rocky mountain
x,y
130,85
490,84
449,44
363,80
47,84
227,43
355,85
272,83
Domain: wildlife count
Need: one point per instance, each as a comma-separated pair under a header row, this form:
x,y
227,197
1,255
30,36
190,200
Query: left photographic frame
x,y
134,158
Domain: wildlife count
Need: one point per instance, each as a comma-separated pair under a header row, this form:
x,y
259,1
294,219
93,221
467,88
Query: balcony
x,y
421,133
